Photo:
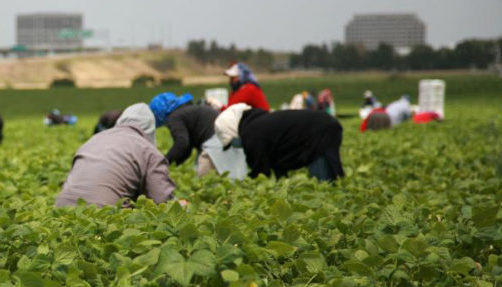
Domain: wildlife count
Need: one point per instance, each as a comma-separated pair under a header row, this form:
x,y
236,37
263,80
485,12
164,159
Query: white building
x,y
402,31
49,31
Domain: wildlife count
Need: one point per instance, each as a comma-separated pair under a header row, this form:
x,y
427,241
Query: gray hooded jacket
x,y
121,162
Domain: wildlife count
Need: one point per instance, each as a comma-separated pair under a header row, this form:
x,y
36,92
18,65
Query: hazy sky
x,y
273,24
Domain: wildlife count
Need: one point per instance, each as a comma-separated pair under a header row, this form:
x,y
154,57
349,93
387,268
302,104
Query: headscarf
x,y
164,104
140,116
246,75
226,125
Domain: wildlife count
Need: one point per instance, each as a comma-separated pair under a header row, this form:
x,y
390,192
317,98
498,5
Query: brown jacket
x,y
114,164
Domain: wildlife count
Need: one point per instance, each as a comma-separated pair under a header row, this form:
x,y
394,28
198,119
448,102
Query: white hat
x,y
368,94
233,71
226,125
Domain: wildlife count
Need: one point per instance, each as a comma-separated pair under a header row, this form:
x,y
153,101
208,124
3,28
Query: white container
x,y
221,94
431,96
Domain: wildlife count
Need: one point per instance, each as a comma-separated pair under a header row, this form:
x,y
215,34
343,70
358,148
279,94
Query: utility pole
x,y
498,56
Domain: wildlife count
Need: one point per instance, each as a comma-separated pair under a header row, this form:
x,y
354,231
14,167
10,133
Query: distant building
x,y
53,32
402,31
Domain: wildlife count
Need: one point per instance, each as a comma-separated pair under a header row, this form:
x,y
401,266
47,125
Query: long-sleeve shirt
x,y
249,94
114,164
288,140
190,126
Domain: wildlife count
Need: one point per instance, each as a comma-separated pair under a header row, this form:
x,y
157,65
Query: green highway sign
x,y
69,33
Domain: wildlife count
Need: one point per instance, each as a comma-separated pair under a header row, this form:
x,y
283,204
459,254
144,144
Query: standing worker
x,y
119,163
244,89
284,140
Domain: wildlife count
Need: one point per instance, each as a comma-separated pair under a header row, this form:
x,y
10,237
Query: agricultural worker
x,y
284,140
392,115
192,126
399,111
244,89
56,118
120,163
1,129
370,103
325,102
107,120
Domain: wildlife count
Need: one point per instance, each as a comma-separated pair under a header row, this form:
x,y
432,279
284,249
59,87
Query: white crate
x,y
431,96
221,94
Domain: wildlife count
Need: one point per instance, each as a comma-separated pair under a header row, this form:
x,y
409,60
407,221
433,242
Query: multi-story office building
x,y
402,31
49,31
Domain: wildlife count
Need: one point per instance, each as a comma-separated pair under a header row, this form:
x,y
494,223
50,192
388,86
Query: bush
x,y
62,83
144,81
170,81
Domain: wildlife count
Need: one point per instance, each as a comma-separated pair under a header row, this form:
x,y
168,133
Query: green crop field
x,y
420,205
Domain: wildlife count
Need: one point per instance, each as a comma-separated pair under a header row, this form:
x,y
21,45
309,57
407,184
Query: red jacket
x,y
364,124
249,94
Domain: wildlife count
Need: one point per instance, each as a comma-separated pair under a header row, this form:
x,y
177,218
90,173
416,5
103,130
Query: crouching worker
x,y
120,163
192,126
107,120
284,140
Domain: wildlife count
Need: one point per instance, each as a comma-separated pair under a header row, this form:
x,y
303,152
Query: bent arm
x,y
181,149
158,185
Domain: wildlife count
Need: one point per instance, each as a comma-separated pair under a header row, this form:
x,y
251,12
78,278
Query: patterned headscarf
x,y
164,104
246,75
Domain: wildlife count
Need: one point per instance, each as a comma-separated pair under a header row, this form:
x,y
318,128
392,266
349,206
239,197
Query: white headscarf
x,y
226,125
141,116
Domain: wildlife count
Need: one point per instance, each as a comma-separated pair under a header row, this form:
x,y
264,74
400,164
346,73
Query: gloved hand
x,y
236,142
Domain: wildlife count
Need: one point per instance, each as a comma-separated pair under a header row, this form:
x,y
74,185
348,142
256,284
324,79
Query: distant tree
x,y
197,49
422,57
446,59
381,58
346,57
264,59
475,53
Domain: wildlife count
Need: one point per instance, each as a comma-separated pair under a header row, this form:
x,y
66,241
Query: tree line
x,y
478,54
345,57
213,53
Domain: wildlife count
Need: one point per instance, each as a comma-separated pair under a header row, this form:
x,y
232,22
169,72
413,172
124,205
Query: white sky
x,y
273,24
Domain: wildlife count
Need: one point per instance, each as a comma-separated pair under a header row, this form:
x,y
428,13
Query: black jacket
x,y
107,120
287,140
190,127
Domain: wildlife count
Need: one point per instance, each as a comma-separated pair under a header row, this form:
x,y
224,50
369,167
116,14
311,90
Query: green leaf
x,y
358,268
463,266
147,259
174,264
227,253
229,275
203,263
388,243
278,249
416,246
281,210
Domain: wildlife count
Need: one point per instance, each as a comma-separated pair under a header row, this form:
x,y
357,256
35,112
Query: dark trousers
x,y
327,167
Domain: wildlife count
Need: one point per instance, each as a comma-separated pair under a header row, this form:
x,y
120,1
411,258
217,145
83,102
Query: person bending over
x,y
284,140
192,126
120,163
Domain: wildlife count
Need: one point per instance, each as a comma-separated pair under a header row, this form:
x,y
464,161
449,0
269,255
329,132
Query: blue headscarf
x,y
164,104
246,75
